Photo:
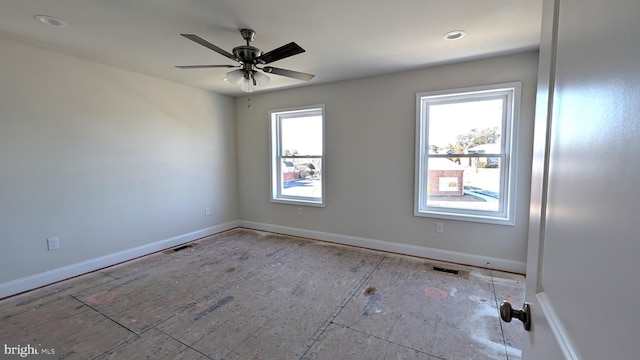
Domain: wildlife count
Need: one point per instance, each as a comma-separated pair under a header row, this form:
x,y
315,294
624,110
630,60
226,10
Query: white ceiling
x,y
343,39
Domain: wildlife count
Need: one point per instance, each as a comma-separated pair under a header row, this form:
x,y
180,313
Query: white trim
x,y
557,327
49,277
405,249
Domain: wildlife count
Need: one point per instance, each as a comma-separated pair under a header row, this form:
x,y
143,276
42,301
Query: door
x,y
583,283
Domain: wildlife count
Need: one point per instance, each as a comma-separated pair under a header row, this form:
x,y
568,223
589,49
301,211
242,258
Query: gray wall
x,y
104,158
370,129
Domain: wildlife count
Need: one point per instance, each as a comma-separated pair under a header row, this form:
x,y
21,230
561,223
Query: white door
x,y
583,281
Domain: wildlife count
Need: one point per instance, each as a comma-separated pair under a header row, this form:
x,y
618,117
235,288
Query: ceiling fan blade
x,y
288,73
204,66
205,43
282,52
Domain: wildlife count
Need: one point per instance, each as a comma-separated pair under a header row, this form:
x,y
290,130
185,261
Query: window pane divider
x,y
299,156
446,156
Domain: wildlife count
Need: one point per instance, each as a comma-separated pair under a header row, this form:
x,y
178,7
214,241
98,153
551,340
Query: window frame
x,y
276,156
508,152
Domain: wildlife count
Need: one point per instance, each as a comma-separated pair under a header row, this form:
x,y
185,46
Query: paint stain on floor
x,y
373,299
370,291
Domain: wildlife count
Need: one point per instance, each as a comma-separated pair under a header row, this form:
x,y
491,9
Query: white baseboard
x,y
49,277
399,248
557,328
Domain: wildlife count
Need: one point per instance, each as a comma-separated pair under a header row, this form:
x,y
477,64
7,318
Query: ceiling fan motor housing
x,y
247,53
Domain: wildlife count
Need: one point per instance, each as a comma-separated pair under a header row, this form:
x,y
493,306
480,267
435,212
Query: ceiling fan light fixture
x,y
454,35
261,79
246,85
234,76
252,81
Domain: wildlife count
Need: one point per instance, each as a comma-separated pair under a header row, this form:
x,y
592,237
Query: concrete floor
x,y
246,294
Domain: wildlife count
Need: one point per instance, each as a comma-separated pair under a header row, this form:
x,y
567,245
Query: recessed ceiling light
x,y
50,20
454,35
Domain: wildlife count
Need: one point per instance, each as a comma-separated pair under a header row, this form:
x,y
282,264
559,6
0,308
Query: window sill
x,y
298,202
495,220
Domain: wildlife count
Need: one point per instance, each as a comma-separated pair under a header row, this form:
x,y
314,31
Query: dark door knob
x,y
507,313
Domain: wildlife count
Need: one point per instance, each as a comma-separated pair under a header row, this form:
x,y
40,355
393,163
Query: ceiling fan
x,y
251,60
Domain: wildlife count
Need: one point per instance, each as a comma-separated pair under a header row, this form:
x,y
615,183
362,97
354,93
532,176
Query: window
x,y
297,161
465,153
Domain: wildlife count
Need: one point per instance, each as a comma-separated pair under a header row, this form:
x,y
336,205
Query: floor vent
x,y
445,270
176,249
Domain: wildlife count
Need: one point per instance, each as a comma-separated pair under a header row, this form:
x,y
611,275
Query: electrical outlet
x,y
439,227
53,243
207,211
299,211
